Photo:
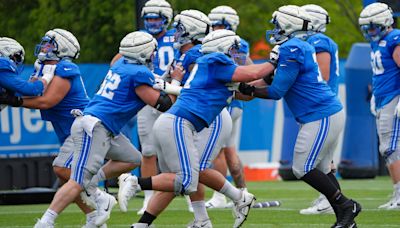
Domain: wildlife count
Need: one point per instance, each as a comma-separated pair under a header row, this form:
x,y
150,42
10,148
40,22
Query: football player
x,y
96,131
328,62
376,24
225,17
157,15
207,91
66,92
11,59
314,105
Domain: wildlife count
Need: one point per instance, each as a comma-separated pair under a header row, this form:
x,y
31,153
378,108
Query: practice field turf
x,y
293,195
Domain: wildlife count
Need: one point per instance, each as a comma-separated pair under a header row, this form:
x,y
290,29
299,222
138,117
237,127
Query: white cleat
x,y
393,204
86,199
242,208
319,206
104,204
92,225
200,224
218,200
40,224
128,187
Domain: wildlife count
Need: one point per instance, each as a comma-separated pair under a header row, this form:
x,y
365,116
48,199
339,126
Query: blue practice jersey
x,y
244,48
205,94
187,59
116,101
323,43
165,52
299,81
76,98
11,81
386,78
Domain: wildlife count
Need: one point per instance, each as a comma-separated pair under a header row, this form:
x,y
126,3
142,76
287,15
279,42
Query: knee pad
x,y
391,156
183,186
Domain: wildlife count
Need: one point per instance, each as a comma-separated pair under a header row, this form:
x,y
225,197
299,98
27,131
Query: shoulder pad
x,y
7,65
67,69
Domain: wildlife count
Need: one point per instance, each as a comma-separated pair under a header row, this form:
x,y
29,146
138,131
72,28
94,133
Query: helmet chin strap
x,y
47,56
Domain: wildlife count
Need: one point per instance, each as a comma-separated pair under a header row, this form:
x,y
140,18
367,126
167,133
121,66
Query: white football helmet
x,y
319,17
58,44
375,20
290,21
224,15
157,9
10,48
191,25
138,46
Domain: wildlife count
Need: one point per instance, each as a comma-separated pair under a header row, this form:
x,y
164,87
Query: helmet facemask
x,y
154,26
47,49
234,53
277,35
373,32
181,36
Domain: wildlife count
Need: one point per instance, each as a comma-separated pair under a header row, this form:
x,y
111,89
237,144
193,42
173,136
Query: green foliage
x,y
99,25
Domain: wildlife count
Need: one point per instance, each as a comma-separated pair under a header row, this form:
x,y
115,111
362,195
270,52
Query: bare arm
x,y
324,61
252,72
55,92
149,95
396,55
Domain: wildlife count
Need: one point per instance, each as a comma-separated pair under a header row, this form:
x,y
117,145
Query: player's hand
x,y
10,99
177,72
232,86
48,72
397,110
159,84
162,85
372,105
274,55
246,89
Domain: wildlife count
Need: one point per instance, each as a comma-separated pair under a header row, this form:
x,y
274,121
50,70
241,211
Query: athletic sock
x,y
147,218
333,179
148,194
49,216
200,211
145,183
230,191
322,183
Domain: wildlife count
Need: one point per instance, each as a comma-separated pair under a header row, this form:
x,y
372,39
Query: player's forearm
x,y
37,103
252,72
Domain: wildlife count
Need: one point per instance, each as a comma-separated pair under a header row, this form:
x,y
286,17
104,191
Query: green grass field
x,y
293,196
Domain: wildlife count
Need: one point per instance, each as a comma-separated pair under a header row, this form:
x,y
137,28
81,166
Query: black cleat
x,y
346,214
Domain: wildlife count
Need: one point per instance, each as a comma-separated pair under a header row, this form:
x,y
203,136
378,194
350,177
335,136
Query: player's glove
x,y
10,99
160,84
246,89
372,105
48,72
232,86
397,110
274,55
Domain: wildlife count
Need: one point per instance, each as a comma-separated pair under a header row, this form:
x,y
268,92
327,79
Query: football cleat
x,y
200,224
104,204
92,225
393,203
319,206
41,224
346,214
218,200
242,208
86,199
128,187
